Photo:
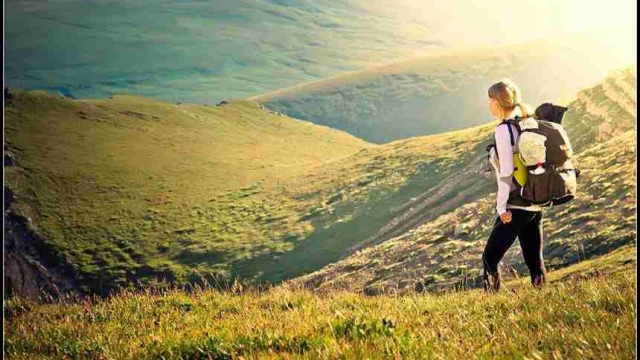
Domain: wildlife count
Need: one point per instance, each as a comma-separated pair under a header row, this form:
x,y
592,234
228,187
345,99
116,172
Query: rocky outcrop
x,y
605,132
32,266
614,90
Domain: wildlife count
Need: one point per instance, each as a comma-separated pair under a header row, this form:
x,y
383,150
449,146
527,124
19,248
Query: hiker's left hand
x,y
505,217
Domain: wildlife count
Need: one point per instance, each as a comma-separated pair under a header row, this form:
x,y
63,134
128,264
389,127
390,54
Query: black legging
x,y
527,226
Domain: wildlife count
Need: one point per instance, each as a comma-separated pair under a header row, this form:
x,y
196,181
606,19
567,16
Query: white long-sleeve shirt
x,y
503,165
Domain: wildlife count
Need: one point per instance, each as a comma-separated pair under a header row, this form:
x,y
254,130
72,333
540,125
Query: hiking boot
x,y
539,280
492,282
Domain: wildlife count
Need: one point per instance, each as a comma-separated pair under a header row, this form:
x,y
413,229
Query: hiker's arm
x,y
505,156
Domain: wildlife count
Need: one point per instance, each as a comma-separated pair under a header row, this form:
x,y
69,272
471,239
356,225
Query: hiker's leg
x,y
531,242
500,240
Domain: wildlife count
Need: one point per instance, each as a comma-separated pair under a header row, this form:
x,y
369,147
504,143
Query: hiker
x,y
516,217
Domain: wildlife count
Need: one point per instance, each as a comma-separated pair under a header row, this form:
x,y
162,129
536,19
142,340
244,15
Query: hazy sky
x,y
471,23
207,50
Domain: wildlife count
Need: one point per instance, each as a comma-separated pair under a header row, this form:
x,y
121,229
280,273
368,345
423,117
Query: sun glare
x,y
499,21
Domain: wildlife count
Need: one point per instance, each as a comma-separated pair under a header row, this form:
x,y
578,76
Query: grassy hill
x,y
128,190
446,252
587,311
445,91
126,187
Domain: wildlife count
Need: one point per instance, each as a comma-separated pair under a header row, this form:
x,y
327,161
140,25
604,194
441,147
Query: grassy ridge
x,y
446,251
446,91
587,311
360,196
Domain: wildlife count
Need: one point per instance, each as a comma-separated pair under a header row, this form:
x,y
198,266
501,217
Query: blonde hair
x,y
508,95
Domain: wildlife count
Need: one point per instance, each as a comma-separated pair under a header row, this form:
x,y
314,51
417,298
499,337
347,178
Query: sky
x,y
208,50
500,21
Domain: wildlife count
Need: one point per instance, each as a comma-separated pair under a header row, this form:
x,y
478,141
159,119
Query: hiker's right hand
x,y
505,217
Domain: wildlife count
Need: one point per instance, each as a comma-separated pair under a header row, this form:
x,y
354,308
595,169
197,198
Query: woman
x,y
515,218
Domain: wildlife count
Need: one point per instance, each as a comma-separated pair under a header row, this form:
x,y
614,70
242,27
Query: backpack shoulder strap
x,y
515,124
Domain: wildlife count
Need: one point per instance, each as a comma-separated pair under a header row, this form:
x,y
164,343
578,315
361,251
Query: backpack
x,y
543,172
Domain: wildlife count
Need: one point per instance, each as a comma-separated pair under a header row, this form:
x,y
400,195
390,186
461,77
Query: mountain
x,y
130,189
446,91
207,51
127,191
446,251
196,51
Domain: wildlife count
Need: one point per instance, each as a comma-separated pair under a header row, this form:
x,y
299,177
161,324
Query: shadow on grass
x,y
328,243
209,257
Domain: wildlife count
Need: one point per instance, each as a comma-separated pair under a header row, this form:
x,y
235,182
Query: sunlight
x,y
497,21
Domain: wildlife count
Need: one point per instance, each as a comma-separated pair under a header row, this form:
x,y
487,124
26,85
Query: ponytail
x,y
525,110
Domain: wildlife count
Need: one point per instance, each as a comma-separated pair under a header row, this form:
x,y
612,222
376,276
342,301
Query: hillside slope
x,y
128,187
446,91
446,251
129,190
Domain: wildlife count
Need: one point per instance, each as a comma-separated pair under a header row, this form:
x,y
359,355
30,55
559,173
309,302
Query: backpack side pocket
x,y
537,190
564,186
551,186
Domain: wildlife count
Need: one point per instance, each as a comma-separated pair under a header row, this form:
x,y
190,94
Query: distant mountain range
x,y
201,51
207,51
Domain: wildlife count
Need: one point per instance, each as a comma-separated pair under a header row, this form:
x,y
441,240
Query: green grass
x,y
129,189
179,191
431,257
174,186
586,311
